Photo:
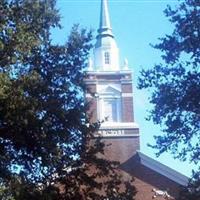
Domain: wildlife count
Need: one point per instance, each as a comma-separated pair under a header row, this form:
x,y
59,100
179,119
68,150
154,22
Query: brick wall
x,y
127,109
91,88
127,88
92,102
146,180
92,111
124,149
121,149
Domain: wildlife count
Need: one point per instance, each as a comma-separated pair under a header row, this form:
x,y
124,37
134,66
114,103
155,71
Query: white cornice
x,y
88,95
109,72
97,81
119,125
163,169
127,94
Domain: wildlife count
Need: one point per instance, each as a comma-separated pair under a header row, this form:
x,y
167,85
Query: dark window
x,y
107,58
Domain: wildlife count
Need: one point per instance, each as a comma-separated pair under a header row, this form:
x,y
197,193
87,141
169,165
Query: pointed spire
x,y
106,53
104,18
104,26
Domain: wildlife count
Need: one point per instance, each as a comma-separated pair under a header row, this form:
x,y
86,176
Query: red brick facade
x,y
127,88
121,149
146,180
92,109
127,109
124,149
125,80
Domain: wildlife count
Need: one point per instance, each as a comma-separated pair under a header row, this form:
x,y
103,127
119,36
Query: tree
x,y
45,134
191,192
175,84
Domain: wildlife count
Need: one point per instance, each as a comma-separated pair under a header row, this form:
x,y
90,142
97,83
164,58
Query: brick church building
x,y
113,102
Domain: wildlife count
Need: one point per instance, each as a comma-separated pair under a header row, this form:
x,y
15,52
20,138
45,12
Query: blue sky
x,y
136,24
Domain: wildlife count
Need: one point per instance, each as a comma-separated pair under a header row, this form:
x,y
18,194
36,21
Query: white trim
x,y
108,88
117,129
102,109
119,125
88,95
127,94
97,81
109,96
109,92
163,169
109,72
128,81
115,133
113,87
90,81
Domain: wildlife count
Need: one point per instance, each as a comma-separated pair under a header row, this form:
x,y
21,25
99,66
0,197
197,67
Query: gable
x,y
110,90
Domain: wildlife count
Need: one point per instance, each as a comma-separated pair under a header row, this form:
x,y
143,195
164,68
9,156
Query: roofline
x,y
163,169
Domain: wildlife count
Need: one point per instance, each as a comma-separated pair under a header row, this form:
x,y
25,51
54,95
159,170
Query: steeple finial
x,y
105,26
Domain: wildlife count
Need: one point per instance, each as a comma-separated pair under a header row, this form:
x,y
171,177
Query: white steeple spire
x,y
106,56
104,26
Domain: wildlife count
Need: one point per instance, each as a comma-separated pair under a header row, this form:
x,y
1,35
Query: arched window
x,y
107,57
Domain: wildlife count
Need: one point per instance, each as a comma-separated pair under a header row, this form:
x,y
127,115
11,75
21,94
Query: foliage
x,y
175,84
44,127
192,191
23,26
5,193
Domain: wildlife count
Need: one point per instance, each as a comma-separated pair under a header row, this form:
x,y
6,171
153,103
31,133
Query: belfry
x,y
110,93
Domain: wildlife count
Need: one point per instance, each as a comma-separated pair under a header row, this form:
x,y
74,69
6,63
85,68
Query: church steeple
x,y
106,53
104,26
112,103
